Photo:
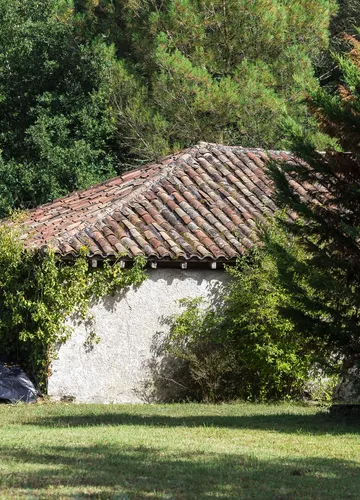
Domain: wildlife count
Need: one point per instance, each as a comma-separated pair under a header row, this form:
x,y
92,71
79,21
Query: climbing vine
x,y
40,294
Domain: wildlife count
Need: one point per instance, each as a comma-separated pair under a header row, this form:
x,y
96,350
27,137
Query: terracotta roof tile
x,y
203,203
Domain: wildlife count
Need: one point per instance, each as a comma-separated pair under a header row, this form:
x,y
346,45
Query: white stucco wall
x,y
115,368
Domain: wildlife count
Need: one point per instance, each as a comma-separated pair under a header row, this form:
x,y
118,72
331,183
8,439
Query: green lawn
x,y
240,451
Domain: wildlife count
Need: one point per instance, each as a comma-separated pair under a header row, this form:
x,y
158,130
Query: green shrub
x,y
244,347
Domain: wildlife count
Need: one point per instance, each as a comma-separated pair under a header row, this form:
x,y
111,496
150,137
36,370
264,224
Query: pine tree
x,y
218,70
328,295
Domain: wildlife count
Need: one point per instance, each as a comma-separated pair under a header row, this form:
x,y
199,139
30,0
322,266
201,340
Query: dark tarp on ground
x,y
15,385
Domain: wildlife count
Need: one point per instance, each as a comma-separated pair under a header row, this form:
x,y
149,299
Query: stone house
x,y
188,214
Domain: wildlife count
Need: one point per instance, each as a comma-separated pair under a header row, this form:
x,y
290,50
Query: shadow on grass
x,y
320,423
109,471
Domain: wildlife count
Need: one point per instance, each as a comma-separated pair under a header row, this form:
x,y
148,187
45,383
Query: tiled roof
x,y
203,203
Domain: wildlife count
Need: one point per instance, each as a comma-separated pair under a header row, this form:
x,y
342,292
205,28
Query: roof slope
x,y
203,203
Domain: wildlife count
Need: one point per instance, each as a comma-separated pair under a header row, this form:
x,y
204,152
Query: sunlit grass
x,y
239,451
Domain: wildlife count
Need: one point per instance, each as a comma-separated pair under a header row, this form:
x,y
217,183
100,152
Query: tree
x,y
327,303
217,70
56,124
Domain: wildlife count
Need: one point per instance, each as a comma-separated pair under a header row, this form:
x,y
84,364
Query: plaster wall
x,y
114,369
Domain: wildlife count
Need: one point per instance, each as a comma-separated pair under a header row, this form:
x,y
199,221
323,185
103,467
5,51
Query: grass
x,y
239,451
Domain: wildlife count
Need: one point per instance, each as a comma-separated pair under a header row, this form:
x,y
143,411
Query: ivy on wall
x,y
40,293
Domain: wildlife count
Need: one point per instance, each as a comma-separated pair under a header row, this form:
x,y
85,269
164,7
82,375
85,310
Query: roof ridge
x,y
244,148
147,184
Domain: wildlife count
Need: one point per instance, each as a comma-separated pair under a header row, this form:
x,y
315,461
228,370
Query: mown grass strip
x,y
239,451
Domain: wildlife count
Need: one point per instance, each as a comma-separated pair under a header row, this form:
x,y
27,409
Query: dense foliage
x,y
216,70
55,116
39,294
329,223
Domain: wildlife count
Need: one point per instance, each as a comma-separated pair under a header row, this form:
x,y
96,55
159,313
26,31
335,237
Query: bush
x,y
244,347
